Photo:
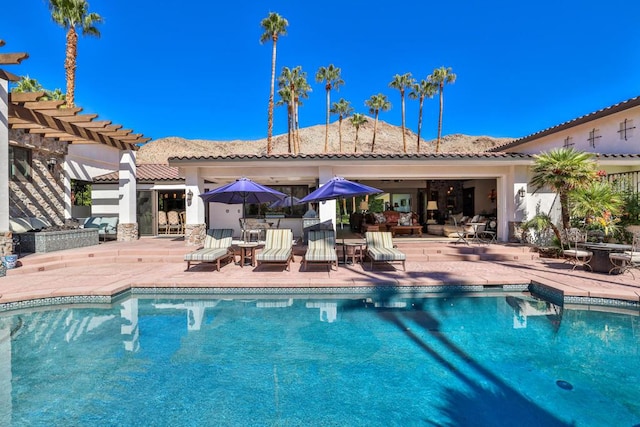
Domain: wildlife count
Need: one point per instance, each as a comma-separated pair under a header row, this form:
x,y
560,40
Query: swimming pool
x,y
379,359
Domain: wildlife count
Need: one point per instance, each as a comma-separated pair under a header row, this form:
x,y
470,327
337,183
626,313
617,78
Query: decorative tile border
x,y
52,301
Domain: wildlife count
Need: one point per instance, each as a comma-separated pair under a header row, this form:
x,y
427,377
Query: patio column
x,y
195,228
127,222
5,234
326,210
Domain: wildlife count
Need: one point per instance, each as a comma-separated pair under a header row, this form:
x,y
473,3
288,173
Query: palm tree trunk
x,y
70,65
340,132
273,85
289,124
326,127
440,118
420,121
355,142
404,137
296,126
375,128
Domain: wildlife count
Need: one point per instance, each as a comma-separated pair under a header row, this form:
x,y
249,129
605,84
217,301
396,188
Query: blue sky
x,y
197,70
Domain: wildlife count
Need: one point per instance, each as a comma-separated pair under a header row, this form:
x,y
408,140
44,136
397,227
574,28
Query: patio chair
x,y
380,248
627,260
321,249
278,247
216,248
163,224
573,254
173,222
249,229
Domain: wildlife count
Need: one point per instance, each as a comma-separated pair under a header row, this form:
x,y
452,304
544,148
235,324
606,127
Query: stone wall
x,y
43,195
127,232
6,243
194,234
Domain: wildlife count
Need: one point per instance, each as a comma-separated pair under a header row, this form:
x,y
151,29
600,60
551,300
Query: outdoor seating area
x,y
171,222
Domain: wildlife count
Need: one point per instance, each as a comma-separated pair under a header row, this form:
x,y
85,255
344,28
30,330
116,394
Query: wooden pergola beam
x,y
25,96
70,128
12,58
44,105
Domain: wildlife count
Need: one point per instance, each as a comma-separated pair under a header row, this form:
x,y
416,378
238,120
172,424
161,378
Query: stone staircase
x,y
416,251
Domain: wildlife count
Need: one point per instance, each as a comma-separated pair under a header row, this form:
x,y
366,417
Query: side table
x,y
353,252
247,253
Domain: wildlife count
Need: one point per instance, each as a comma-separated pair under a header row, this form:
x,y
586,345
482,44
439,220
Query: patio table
x,y
600,262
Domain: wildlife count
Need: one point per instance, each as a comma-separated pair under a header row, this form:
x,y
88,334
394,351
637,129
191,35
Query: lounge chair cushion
x,y
321,246
218,238
380,247
206,255
277,246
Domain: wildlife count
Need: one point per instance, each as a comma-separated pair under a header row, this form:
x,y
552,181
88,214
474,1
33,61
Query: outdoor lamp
x,y
522,192
189,197
51,163
432,206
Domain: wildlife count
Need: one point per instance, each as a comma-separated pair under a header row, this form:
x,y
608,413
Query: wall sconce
x,y
522,192
189,197
51,164
492,195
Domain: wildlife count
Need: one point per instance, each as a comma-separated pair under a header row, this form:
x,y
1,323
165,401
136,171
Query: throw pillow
x,y
380,218
405,219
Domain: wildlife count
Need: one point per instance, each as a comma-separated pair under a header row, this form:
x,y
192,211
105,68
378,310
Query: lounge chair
x,y
573,254
322,248
278,247
217,248
380,248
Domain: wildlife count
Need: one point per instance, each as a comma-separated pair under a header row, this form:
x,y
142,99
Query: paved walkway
x,y
112,267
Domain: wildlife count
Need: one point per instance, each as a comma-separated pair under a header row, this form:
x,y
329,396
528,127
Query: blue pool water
x,y
348,360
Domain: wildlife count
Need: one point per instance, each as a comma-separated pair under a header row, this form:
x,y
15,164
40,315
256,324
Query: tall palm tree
x,y
377,103
73,15
419,91
274,26
343,109
331,76
440,76
402,82
357,120
287,99
294,80
563,170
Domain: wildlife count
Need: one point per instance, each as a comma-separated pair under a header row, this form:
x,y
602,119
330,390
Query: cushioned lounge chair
x,y
380,248
278,247
217,248
322,248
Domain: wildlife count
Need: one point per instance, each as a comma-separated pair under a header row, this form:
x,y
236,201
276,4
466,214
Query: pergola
x,y
35,114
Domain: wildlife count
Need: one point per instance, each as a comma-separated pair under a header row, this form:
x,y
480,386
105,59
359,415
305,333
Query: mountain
x,y
388,140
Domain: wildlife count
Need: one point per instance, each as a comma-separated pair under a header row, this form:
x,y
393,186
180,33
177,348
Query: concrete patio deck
x,y
113,267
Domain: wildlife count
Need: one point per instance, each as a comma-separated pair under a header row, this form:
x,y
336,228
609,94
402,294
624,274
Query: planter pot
x,y
10,261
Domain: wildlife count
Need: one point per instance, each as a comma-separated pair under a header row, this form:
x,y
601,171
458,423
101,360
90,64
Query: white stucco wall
x,y
86,161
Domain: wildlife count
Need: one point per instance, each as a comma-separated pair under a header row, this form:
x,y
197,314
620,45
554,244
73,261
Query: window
x,y
593,136
19,164
626,129
568,142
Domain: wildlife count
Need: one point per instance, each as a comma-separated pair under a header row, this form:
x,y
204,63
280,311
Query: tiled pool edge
x,y
546,292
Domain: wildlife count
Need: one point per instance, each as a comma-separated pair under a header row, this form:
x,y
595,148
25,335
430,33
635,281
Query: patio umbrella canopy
x,y
337,188
243,191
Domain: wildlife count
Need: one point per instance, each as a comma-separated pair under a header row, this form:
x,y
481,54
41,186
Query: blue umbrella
x,y
243,191
338,187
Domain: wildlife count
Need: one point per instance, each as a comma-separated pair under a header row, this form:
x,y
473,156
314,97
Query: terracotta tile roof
x,y
616,108
358,156
147,173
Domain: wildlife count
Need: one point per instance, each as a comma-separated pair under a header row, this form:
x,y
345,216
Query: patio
x,y
114,267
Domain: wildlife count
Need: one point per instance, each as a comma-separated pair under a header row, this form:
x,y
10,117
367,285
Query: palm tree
x,y
286,99
274,26
563,170
419,91
27,84
402,82
376,104
343,109
294,81
331,76
597,201
56,95
73,15
357,120
440,76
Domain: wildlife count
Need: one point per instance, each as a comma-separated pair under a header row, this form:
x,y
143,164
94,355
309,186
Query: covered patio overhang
x,y
510,172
